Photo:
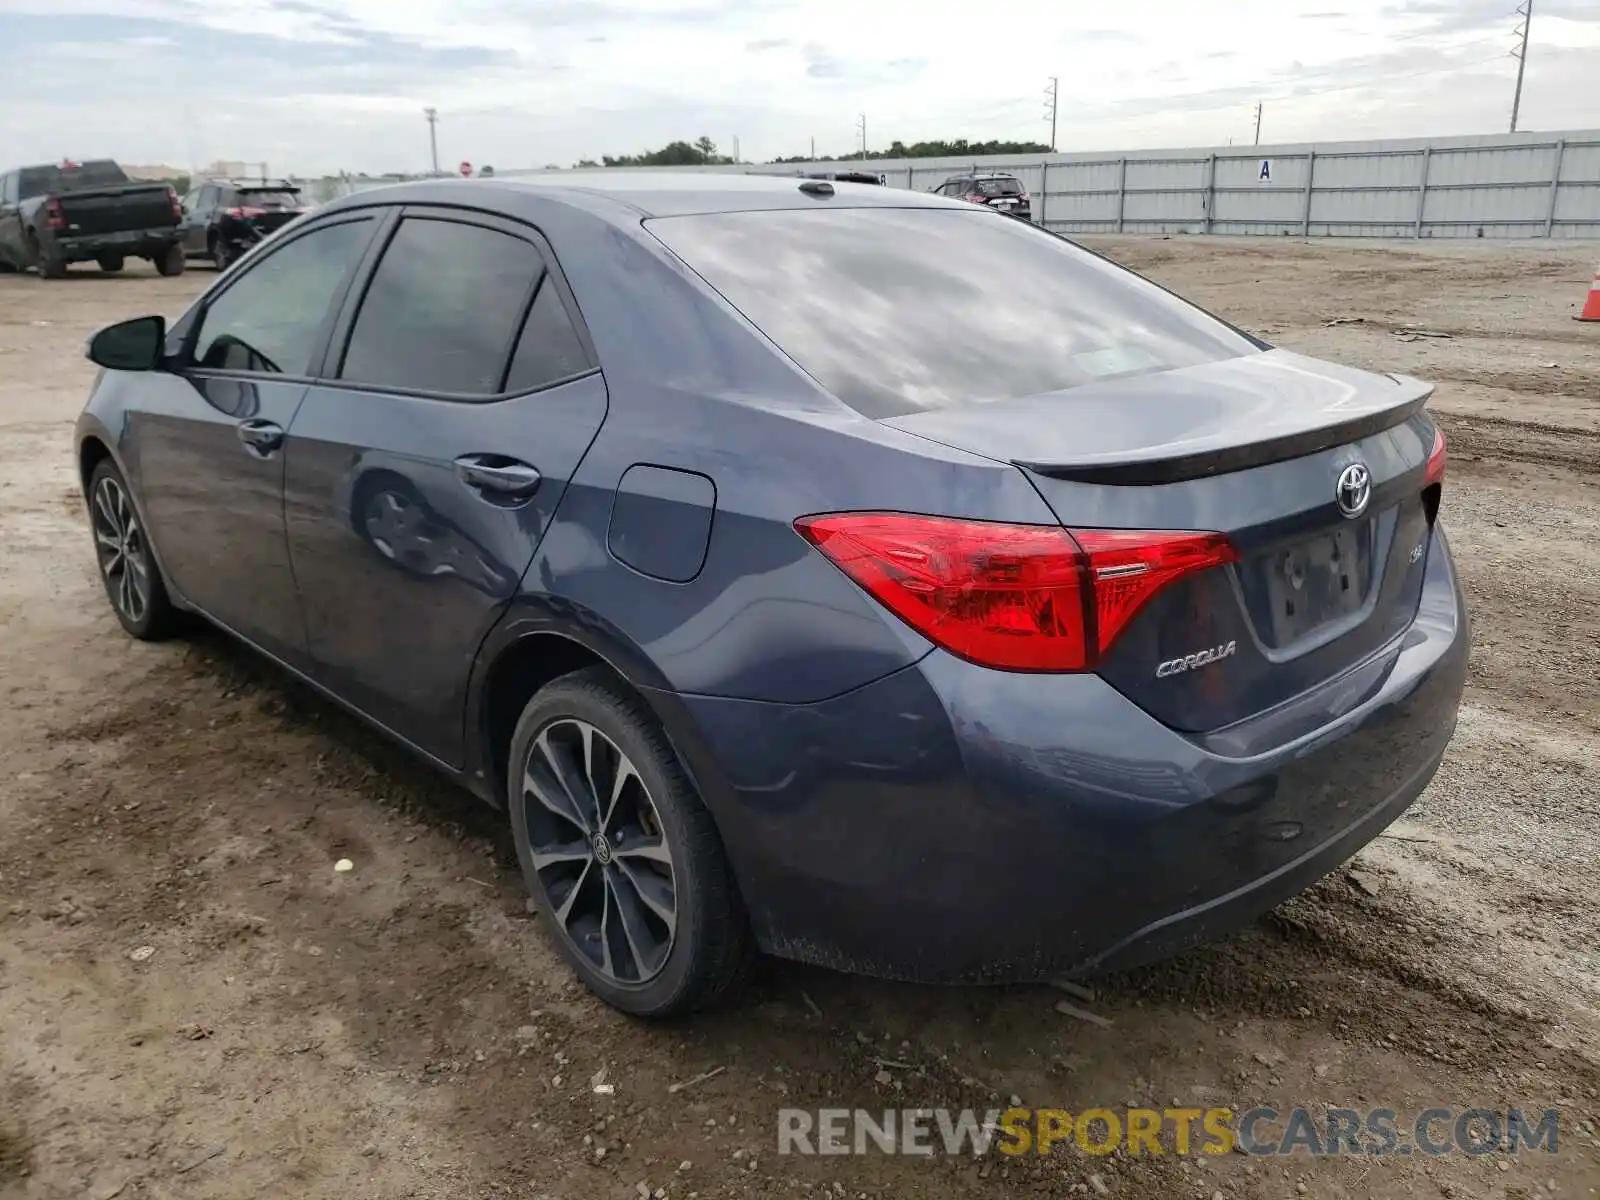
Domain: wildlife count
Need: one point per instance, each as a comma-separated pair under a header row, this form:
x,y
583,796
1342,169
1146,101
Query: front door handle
x,y
258,435
498,474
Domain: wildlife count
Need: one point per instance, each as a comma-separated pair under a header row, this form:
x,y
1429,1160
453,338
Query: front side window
x,y
271,319
894,310
442,309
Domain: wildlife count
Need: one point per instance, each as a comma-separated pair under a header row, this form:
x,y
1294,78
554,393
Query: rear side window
x,y
549,348
442,309
894,310
38,181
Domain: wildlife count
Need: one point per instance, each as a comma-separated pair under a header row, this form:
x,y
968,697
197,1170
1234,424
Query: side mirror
x,y
134,345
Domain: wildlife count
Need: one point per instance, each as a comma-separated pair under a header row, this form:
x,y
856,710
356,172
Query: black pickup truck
x,y
52,216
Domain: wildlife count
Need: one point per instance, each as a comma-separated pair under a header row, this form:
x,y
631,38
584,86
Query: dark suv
x,y
1004,192
224,218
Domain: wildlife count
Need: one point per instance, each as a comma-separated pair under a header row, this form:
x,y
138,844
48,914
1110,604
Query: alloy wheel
x,y
120,544
599,851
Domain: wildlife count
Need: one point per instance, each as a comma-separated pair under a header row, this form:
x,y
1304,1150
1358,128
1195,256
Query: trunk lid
x,y
117,209
269,209
1256,448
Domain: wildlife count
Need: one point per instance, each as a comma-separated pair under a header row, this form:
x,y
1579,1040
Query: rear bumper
x,y
130,243
953,824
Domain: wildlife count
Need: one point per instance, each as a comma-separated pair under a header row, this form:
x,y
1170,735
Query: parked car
x,y
54,216
224,218
772,614
994,190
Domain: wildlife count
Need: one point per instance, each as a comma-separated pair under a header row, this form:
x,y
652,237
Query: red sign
x,y
466,169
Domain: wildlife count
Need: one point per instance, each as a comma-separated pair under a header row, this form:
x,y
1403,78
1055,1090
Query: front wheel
x,y
127,564
619,851
171,260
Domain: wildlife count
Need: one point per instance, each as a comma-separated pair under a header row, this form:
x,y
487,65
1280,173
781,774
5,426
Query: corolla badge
x,y
1353,490
1200,658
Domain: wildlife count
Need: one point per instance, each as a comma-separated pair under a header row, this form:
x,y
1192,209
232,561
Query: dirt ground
x,y
194,1004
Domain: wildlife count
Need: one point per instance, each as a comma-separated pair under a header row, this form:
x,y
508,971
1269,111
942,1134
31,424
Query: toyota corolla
x,y
850,574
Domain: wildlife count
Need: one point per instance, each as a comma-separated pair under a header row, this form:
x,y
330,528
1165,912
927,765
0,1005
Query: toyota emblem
x,y
1353,490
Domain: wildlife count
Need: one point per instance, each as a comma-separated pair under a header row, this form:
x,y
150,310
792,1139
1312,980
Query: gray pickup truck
x,y
53,216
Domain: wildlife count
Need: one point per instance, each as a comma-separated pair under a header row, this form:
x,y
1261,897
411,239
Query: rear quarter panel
x,y
695,388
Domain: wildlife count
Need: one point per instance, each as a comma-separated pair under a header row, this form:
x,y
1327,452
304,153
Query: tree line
x,y
703,152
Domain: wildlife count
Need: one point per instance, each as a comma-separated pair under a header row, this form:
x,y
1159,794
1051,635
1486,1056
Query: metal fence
x,y
1494,186
1506,186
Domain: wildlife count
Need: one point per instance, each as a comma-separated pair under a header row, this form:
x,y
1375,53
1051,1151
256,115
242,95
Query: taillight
x,y
241,213
1436,458
1130,566
1023,196
975,198
1014,597
177,205
53,216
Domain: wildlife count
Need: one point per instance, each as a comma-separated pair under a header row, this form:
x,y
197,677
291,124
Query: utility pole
x,y
1050,108
1258,123
433,135
813,147
863,127
1525,11
736,157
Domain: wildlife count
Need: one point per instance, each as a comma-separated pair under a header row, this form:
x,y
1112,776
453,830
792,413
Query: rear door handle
x,y
498,474
260,435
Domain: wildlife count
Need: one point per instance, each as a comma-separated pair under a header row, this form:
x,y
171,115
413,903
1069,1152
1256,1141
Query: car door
x,y
11,241
208,435
198,223
194,241
423,472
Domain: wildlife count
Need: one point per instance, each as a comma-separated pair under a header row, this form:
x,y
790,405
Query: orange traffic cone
x,y
1591,307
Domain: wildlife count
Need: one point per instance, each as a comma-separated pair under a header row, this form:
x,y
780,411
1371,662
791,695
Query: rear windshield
x,y
267,199
998,187
44,181
895,310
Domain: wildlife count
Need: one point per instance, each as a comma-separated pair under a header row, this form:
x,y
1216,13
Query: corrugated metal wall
x,y
1493,186
1504,186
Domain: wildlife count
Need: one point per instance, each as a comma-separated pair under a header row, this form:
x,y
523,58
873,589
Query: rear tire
x,y
657,851
128,569
50,266
110,263
171,260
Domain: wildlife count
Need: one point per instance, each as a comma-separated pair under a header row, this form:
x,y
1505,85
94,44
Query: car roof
x,y
610,193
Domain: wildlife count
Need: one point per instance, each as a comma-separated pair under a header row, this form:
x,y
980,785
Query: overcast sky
x,y
311,85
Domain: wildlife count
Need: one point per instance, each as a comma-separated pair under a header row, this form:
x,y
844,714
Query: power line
x,y
1525,10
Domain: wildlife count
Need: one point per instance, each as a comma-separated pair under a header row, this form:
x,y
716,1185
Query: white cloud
x,y
317,84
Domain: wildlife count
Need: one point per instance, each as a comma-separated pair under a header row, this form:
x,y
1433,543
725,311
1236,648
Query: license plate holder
x,y
1316,581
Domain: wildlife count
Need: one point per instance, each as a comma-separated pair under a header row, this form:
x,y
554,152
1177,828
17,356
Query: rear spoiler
x,y
1225,459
